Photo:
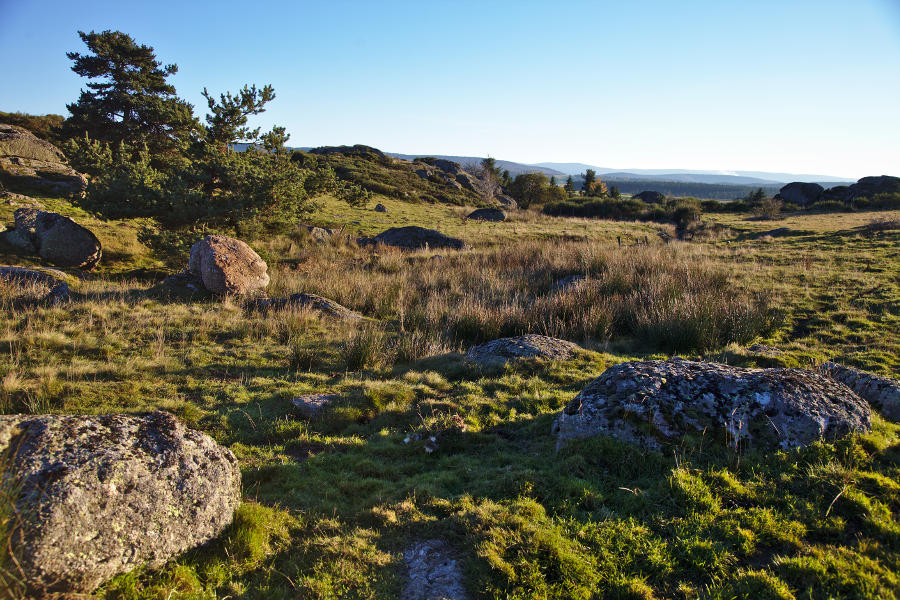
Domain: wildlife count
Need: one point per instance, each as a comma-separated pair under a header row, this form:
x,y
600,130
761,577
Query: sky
x,y
786,85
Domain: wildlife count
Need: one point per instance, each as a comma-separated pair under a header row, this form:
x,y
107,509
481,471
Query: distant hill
x,y
514,168
715,177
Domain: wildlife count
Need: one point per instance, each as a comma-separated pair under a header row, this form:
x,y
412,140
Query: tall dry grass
x,y
667,297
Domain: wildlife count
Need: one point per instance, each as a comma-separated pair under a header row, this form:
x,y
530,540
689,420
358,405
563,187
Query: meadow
x,y
331,504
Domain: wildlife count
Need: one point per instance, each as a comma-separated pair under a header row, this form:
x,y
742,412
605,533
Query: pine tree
x,y
227,119
589,177
128,98
570,186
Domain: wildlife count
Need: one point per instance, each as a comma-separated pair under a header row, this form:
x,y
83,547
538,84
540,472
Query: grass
x,y
331,504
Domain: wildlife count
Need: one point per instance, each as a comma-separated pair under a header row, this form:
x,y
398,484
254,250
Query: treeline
x,y
712,191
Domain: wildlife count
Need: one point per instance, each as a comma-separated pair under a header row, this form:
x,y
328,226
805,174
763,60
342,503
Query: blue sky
x,y
789,85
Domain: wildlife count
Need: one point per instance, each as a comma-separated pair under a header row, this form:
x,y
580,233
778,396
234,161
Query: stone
x,y
567,282
838,193
651,197
779,232
652,403
800,193
58,289
881,392
323,305
319,234
488,214
183,284
434,572
499,352
55,238
381,208
415,238
101,495
228,266
310,406
506,202
764,349
28,160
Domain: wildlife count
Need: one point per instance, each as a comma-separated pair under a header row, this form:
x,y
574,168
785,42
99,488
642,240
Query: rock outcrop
x,y
499,352
487,214
654,402
57,288
28,160
228,266
381,208
415,238
869,187
881,392
445,171
651,197
318,303
55,238
96,496
800,193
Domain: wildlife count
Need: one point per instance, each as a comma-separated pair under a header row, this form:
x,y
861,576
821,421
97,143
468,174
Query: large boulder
x,y
868,187
651,197
654,402
881,392
499,352
55,238
228,266
487,214
96,496
414,238
28,160
800,193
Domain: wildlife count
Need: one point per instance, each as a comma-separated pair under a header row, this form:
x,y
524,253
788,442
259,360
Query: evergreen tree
x,y
570,186
589,177
553,180
227,119
128,98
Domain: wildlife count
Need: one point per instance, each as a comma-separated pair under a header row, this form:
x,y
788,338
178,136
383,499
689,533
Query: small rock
x,y
58,288
567,282
415,238
324,305
506,202
434,573
499,352
381,208
763,349
488,214
310,406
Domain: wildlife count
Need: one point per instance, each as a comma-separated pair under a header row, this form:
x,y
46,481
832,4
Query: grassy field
x,y
331,504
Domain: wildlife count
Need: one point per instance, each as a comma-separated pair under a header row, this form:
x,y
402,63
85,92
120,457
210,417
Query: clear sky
x,y
802,86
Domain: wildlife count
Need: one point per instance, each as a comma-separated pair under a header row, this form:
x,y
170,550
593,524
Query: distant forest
x,y
678,189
